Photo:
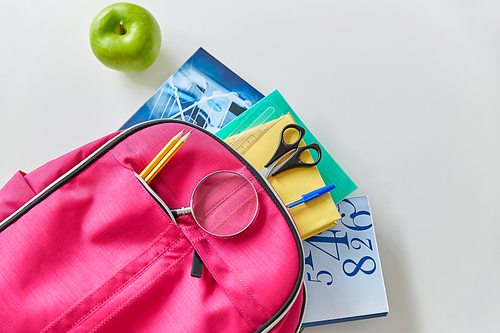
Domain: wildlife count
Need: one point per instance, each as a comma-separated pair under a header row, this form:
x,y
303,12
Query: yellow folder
x,y
258,144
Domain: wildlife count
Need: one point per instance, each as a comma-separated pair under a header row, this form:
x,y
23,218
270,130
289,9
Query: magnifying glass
x,y
223,203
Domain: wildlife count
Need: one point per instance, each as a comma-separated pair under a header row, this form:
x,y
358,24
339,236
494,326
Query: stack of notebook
x,y
343,273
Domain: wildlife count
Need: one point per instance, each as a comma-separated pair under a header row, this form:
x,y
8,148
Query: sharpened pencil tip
x,y
184,138
178,135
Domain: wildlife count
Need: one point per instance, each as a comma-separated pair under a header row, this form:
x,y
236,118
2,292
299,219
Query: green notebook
x,y
274,106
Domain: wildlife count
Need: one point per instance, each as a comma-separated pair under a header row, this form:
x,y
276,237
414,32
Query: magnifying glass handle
x,y
182,211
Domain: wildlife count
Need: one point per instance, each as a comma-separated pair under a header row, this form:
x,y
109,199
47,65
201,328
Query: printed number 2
x,y
359,266
318,275
368,245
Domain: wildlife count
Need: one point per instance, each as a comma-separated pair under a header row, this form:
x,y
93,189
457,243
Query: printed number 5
x,y
318,275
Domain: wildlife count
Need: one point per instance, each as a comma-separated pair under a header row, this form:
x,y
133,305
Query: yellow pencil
x,y
166,158
160,155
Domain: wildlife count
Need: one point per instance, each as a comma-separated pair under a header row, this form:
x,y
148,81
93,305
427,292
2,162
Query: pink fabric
x,y
14,194
22,187
100,254
291,321
41,177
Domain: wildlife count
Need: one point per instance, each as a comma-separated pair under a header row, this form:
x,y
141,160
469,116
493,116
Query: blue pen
x,y
311,195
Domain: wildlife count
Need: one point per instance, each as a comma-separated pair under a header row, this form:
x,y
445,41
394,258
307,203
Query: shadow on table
x,y
157,74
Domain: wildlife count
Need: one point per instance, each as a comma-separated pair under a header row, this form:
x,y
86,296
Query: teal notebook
x,y
274,106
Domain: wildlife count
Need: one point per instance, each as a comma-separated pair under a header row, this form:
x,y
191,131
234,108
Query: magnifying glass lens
x,y
224,203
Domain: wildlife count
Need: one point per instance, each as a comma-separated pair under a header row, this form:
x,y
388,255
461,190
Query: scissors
x,y
273,167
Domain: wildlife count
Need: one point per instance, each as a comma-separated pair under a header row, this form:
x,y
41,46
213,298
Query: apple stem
x,y
122,29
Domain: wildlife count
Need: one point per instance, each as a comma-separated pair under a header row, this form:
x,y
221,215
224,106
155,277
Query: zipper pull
x,y
197,265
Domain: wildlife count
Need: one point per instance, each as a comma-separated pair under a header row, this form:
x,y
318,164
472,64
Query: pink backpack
x,y
87,246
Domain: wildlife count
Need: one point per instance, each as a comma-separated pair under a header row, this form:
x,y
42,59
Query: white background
x,y
405,95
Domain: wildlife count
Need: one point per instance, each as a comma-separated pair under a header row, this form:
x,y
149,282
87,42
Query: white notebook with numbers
x,y
344,278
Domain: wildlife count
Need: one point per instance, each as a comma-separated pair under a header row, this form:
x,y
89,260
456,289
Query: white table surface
x,y
405,95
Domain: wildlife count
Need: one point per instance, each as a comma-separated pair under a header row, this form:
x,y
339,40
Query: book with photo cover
x,y
202,91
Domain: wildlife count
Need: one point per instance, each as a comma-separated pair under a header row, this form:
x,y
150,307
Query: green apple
x,y
125,37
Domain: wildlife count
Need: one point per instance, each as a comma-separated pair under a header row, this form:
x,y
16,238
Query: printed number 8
x,y
358,266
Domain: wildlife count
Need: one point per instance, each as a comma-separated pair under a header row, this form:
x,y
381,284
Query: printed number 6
x,y
318,275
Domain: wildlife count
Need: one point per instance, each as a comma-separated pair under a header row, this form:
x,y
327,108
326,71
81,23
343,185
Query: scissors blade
x,y
275,168
266,172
